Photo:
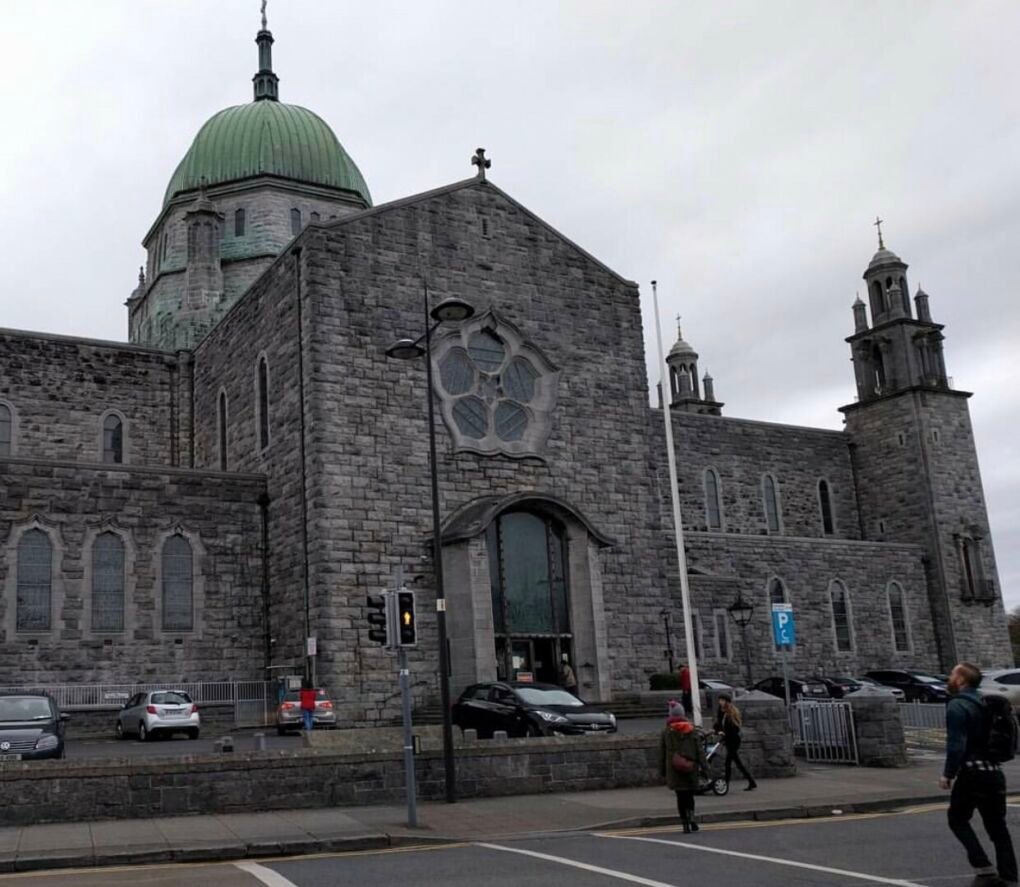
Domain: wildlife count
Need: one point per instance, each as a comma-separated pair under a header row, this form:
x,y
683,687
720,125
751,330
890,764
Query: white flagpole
x,y
681,555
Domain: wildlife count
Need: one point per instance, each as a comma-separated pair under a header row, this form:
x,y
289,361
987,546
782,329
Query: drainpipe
x,y
263,502
304,463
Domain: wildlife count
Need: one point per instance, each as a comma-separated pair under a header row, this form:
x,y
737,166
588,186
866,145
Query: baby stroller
x,y
713,782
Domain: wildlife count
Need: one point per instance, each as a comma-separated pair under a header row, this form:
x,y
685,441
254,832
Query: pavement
x,y
817,790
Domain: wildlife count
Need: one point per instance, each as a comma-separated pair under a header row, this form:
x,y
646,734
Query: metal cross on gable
x,y
481,161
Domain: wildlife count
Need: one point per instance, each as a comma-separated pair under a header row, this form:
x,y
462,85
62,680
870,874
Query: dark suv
x,y
800,688
916,685
31,727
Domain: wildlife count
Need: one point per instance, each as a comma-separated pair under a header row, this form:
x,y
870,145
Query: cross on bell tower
x,y
482,162
878,224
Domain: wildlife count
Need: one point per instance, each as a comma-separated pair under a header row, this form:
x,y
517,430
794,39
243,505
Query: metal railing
x,y
824,731
253,701
924,716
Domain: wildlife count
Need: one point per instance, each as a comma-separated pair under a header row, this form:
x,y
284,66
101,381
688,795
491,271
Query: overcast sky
x,y
736,152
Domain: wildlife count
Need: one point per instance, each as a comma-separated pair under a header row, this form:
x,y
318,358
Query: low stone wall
x,y
76,790
879,728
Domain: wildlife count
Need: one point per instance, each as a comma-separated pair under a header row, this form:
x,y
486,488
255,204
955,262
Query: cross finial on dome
x,y
482,162
878,224
679,331
267,84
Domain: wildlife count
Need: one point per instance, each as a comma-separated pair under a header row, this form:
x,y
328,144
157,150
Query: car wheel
x,y
119,730
720,786
193,733
143,734
926,696
532,730
280,731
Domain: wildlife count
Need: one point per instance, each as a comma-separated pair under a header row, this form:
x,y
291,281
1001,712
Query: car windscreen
x,y
171,699
25,708
534,696
926,679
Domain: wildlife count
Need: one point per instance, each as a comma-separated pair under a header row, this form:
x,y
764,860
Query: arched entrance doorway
x,y
528,569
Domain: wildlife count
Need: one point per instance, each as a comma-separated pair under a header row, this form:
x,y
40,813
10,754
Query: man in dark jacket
x,y
977,784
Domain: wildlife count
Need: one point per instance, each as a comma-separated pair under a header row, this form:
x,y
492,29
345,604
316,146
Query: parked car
x,y
916,686
288,713
841,685
158,713
525,709
872,684
712,689
1005,682
31,727
800,688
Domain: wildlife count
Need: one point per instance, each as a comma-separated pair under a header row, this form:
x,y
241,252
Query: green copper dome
x,y
267,138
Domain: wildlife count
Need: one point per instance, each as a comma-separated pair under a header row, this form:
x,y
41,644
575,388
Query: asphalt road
x,y
244,740
909,849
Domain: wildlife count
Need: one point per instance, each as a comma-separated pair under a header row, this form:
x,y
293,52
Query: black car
x,y
31,727
800,688
526,709
916,685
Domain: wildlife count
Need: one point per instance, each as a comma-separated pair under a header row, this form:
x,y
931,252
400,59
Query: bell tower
x,y
918,480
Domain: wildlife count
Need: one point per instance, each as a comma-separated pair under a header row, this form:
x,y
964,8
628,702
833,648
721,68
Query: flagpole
x,y
681,555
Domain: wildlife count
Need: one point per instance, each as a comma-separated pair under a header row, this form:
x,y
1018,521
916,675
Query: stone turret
x,y
684,386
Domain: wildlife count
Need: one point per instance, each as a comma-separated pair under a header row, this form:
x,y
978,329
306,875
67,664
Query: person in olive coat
x,y
681,737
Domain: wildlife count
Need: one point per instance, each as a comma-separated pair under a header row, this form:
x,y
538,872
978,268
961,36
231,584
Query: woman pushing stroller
x,y
728,723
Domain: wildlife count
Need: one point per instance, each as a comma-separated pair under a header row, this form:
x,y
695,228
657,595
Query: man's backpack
x,y
1000,730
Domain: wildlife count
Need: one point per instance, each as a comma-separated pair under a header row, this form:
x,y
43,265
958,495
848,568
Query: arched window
x,y
113,439
6,430
313,217
35,556
108,583
178,585
530,604
771,503
905,296
877,302
825,504
973,584
221,429
841,617
713,504
238,223
295,221
898,617
262,401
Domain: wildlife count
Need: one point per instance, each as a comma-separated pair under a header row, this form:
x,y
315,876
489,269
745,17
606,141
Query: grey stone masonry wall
x,y
742,452
89,790
60,390
369,490
72,504
920,482
766,738
724,564
878,727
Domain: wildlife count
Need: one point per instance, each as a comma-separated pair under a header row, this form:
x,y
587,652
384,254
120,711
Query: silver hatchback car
x,y
147,715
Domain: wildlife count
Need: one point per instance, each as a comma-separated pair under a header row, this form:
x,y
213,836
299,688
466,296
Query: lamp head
x,y
452,310
741,611
405,349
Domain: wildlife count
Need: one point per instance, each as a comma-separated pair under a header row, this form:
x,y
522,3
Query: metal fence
x,y
254,702
824,731
923,716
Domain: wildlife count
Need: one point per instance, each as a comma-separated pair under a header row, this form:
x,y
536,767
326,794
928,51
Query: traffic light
x,y
379,618
407,627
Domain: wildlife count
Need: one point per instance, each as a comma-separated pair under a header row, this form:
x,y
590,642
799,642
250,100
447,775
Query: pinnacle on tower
x,y
267,84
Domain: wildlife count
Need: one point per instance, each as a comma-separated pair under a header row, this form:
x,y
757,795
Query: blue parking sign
x,y
784,630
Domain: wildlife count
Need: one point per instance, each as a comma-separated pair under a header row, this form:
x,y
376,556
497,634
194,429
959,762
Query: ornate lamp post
x,y
411,349
741,611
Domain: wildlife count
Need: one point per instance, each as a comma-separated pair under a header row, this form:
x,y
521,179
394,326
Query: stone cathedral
x,y
192,504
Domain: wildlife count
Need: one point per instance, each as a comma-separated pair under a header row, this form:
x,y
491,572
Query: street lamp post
x,y
410,349
741,611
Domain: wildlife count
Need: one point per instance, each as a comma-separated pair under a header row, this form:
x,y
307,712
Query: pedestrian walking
x,y
974,751
568,680
685,689
729,723
681,762
306,699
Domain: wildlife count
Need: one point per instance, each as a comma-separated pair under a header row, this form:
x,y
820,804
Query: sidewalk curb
x,y
53,860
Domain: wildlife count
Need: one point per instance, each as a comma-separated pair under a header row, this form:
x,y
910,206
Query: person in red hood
x,y
306,699
681,762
